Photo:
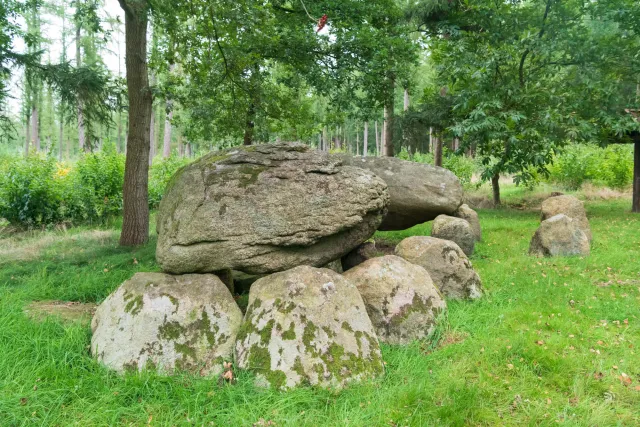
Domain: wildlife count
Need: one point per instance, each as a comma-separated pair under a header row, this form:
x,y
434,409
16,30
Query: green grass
x,y
546,345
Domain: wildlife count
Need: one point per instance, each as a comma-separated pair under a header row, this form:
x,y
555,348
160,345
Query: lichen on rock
x,y
165,323
266,209
307,326
402,301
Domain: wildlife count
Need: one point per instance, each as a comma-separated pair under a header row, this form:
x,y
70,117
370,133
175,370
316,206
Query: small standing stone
x,y
559,236
307,326
455,229
447,265
471,216
402,301
569,206
166,322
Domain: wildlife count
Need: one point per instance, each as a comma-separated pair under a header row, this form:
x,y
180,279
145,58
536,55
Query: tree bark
x,y
357,143
180,145
250,125
437,151
81,130
388,131
365,149
407,99
166,145
636,176
135,225
27,136
152,136
375,129
495,185
35,135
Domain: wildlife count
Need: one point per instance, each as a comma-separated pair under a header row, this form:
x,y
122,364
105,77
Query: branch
x,y
528,51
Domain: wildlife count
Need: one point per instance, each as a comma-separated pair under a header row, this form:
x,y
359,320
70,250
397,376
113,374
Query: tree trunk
x,y
166,145
180,145
636,176
325,140
188,150
135,224
27,132
152,136
357,143
365,148
250,125
81,131
119,137
407,100
437,151
388,131
388,121
495,185
35,135
61,138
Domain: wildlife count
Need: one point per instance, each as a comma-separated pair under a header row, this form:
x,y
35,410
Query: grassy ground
x,y
553,342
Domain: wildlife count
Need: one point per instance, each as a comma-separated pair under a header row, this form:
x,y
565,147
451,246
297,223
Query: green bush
x,y
159,176
577,164
94,188
31,191
462,166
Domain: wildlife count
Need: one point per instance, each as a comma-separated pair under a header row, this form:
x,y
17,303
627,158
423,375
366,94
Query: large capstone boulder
x,y
402,301
263,209
166,322
307,326
455,229
569,206
471,216
419,192
449,268
559,236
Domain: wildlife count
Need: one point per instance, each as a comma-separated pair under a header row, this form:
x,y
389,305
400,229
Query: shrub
x,y
462,166
159,176
31,191
578,164
94,188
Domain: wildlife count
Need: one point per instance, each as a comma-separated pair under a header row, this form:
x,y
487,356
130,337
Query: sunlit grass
x,y
547,344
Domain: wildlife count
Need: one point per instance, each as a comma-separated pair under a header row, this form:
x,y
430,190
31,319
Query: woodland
x,y
103,102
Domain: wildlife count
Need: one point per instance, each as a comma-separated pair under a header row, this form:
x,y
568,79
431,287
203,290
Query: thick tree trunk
x,y
437,151
636,176
135,225
365,149
250,125
495,185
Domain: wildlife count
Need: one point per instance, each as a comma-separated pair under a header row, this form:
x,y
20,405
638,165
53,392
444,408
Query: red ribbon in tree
x,y
322,22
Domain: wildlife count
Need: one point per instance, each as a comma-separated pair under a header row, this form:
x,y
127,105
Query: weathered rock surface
x,y
362,253
471,216
267,208
155,320
419,192
559,236
307,326
455,229
569,206
402,301
449,268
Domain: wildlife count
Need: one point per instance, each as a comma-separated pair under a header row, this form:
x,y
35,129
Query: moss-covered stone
x,y
322,340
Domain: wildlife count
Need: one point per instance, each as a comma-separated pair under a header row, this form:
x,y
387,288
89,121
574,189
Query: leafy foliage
x,y
159,176
577,164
